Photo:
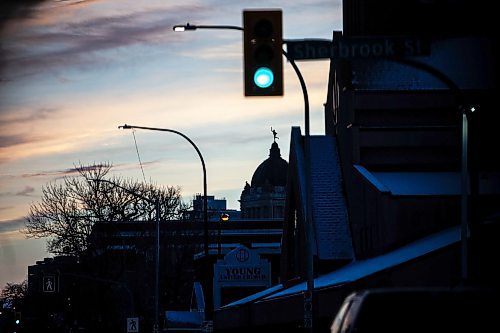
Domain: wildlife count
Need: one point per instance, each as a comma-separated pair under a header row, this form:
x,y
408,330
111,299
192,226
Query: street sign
x,y
49,284
357,48
133,325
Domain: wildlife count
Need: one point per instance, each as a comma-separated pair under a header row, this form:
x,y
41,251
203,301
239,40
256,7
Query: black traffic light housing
x,y
263,52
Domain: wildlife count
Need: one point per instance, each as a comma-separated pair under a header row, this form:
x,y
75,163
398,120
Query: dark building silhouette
x,y
265,196
433,18
386,178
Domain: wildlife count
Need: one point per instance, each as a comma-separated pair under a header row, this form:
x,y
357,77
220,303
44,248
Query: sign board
x,y
242,268
49,284
357,48
133,325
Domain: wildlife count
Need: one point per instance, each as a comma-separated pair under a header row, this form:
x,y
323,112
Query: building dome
x,y
271,172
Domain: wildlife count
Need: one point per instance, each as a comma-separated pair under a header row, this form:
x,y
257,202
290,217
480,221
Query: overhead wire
x,y
139,156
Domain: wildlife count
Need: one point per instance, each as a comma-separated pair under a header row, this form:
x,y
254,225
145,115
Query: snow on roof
x,y
329,206
414,183
255,297
421,183
371,178
184,319
363,268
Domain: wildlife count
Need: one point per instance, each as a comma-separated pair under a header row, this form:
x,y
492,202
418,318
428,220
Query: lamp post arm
x,y
171,131
226,27
182,27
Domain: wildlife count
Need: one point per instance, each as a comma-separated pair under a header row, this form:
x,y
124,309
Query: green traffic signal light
x,y
263,77
263,52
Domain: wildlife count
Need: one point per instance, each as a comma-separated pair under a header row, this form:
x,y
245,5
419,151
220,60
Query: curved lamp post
x,y
156,204
308,296
205,200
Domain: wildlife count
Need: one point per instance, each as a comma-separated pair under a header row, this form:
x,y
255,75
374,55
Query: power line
x,y
139,156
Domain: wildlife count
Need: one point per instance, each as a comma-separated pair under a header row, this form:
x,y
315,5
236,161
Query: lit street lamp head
x,y
182,27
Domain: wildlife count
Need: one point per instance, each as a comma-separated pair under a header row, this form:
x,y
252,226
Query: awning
x,y
362,268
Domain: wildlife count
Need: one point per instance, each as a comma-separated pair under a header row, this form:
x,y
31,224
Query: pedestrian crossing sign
x,y
49,284
132,325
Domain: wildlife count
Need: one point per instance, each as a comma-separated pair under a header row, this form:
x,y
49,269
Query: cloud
x,y
16,9
75,170
12,140
22,124
27,191
12,225
7,141
79,41
76,2
21,118
61,173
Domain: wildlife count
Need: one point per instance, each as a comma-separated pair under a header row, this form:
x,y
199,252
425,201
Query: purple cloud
x,y
10,119
74,171
76,43
27,191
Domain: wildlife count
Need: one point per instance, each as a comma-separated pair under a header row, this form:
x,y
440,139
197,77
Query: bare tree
x,y
71,206
14,293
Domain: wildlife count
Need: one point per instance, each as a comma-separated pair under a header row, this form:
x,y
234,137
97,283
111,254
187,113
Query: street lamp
x,y
156,204
308,296
205,200
465,112
224,217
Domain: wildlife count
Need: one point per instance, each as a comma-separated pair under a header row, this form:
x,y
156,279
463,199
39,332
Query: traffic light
x,y
263,52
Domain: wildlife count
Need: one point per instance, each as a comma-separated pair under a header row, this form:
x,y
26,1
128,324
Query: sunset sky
x,y
71,72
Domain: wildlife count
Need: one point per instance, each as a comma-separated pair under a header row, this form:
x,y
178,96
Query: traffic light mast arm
x,y
187,26
182,27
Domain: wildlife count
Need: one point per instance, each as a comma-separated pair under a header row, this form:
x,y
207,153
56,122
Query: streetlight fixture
x,y
465,112
308,296
205,200
156,204
224,217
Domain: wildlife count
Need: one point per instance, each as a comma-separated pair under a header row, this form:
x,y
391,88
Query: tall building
x,y
216,207
265,196
403,189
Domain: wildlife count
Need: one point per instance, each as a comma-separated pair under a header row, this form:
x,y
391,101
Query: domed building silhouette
x,y
265,196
